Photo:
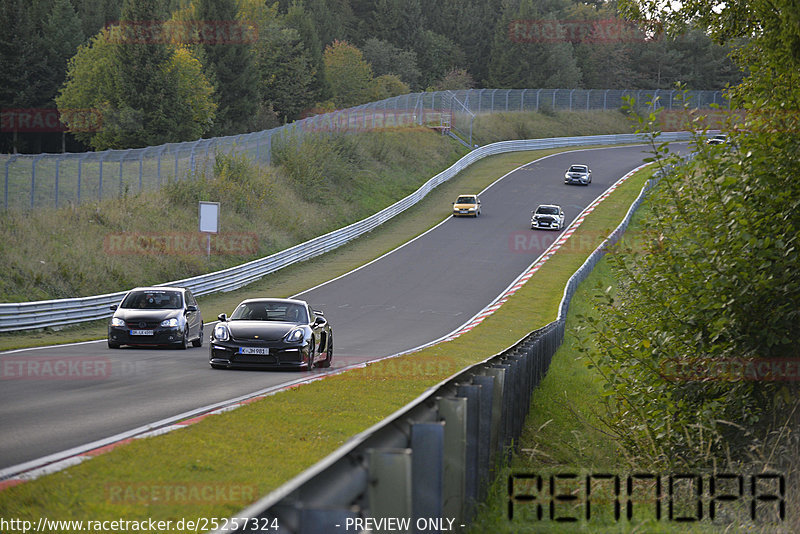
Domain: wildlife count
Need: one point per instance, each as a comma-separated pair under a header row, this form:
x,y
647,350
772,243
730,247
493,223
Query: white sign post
x,y
209,221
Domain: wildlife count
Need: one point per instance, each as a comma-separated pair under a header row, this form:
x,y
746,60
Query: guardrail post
x,y
472,393
504,437
486,390
427,471
389,487
498,378
453,411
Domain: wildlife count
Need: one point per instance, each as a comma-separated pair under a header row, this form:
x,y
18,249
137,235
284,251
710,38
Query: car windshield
x,y
547,210
577,168
153,300
287,312
465,200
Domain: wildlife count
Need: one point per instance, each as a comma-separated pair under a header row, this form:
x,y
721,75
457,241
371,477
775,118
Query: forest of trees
x,y
276,62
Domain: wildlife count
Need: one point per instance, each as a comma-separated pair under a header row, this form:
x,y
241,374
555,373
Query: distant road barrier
x,y
59,312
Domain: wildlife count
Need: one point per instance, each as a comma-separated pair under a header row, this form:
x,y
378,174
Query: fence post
x,y
160,153
33,176
80,168
522,100
100,177
141,169
58,163
5,191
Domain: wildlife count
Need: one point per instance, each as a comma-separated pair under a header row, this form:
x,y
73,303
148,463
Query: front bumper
x,y
160,336
281,355
545,226
580,181
465,213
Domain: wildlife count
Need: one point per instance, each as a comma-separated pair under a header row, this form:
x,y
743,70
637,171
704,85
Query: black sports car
x,y
272,333
156,316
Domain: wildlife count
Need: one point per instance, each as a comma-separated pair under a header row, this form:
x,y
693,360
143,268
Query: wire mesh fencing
x,y
35,181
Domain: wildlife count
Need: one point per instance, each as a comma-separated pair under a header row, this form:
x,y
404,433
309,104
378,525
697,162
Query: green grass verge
x,y
256,448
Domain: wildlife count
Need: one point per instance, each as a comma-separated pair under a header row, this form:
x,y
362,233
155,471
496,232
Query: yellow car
x,y
467,206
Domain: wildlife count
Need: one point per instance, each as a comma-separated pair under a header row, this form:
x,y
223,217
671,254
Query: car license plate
x,y
142,332
464,211
254,350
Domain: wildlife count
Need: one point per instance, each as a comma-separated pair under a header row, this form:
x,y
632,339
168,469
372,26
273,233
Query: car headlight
x,y
170,323
116,321
221,333
294,336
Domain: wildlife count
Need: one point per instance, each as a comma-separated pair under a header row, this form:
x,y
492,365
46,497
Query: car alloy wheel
x,y
199,341
329,356
184,344
311,354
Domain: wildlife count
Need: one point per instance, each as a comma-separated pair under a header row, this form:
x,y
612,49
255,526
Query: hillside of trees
x,y
161,71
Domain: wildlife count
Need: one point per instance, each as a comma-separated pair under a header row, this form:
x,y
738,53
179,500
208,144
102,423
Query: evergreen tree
x,y
229,65
144,94
299,19
385,58
286,76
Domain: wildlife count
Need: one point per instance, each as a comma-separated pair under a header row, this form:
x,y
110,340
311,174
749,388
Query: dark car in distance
x,y
161,316
272,333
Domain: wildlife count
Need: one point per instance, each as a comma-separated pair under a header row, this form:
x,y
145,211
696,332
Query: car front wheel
x,y
311,356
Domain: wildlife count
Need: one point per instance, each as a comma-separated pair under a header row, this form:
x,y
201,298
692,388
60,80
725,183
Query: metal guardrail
x,y
59,312
434,459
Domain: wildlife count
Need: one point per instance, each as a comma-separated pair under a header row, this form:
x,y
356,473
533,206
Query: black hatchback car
x,y
166,316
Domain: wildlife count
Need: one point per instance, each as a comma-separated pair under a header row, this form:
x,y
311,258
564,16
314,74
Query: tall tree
x,y
385,58
298,18
144,92
349,75
229,66
94,83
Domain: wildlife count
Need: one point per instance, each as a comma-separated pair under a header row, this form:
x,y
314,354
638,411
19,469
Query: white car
x,y
719,139
547,217
578,174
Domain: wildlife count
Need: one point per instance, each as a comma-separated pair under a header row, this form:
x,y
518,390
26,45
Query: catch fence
x,y
36,181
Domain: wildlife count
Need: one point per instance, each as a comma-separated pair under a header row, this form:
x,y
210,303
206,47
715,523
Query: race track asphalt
x,y
414,295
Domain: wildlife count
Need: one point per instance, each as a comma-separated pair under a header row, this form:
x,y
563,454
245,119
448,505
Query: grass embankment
x,y
76,251
565,434
256,448
492,127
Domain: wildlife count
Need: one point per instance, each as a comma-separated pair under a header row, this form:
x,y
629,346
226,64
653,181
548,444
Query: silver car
x,y
578,174
547,217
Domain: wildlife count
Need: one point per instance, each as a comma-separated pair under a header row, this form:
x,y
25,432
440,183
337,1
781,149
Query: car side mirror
x,y
191,308
113,307
222,317
319,320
